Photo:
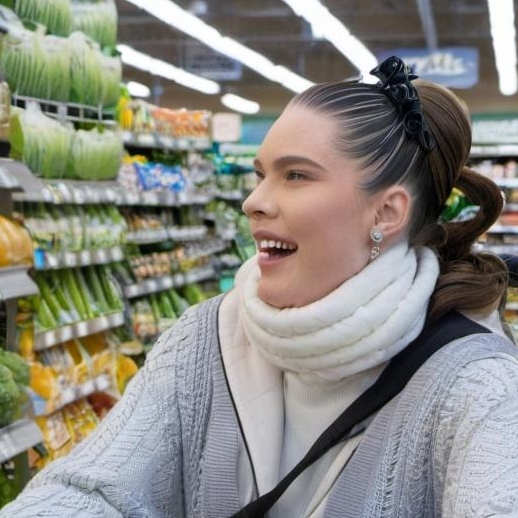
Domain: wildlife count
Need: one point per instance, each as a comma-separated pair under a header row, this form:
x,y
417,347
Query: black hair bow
x,y
395,81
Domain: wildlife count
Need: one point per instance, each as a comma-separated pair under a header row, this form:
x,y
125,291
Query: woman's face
x,y
309,217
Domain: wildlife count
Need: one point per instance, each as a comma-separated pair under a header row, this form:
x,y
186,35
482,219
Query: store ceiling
x,y
271,28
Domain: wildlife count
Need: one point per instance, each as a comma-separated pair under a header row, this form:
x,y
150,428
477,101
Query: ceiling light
x,y
138,89
130,56
239,104
184,21
503,33
324,23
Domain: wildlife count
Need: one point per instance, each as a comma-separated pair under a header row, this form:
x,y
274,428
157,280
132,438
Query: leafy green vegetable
x,y
86,83
17,365
95,154
98,19
40,142
9,397
55,15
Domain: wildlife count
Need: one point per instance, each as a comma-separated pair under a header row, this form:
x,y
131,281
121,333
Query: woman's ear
x,y
393,211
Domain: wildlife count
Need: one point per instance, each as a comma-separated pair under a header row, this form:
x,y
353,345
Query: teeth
x,y
264,243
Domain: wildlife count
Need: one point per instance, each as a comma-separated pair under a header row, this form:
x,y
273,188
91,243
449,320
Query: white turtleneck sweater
x,y
293,371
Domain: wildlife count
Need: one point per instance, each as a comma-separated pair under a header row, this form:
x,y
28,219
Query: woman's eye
x,y
295,175
258,175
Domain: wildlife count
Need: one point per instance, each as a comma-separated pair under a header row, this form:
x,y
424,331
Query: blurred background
x,y
447,40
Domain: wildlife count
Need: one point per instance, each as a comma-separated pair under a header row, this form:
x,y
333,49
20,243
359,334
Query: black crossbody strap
x,y
391,381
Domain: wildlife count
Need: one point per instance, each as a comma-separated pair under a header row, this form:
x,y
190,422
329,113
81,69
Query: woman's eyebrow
x,y
286,160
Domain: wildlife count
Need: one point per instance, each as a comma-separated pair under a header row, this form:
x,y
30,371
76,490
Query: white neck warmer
x,y
360,325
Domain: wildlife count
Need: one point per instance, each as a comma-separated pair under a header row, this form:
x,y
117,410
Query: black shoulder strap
x,y
391,381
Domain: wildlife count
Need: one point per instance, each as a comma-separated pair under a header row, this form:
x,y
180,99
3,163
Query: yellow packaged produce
x,y
126,369
44,380
82,361
56,436
80,419
6,252
19,241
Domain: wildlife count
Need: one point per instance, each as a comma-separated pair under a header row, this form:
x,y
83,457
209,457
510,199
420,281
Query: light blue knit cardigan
x,y
446,446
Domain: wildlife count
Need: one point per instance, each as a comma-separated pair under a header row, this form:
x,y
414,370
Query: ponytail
x,y
470,280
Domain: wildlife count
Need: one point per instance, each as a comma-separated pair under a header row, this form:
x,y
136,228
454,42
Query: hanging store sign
x,y
200,60
454,67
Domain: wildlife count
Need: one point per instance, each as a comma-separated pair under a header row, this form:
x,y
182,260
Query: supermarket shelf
x,y
186,233
509,183
18,437
144,237
71,394
81,192
46,339
491,151
15,282
156,140
48,260
199,274
8,180
235,195
503,229
73,112
501,249
16,176
166,282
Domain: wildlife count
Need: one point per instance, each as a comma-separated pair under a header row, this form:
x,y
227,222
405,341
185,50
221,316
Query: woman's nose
x,y
260,201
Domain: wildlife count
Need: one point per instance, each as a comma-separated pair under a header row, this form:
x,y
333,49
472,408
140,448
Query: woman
x,y
352,260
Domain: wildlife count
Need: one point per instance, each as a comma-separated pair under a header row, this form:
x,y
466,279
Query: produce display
x,y
52,149
111,276
75,294
65,428
54,15
153,314
141,117
68,57
97,19
14,378
173,173
65,371
72,228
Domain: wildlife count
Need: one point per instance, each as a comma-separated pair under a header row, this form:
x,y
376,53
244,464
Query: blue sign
x,y
454,67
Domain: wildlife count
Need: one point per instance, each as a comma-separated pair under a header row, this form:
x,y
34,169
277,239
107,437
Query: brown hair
x,y
371,132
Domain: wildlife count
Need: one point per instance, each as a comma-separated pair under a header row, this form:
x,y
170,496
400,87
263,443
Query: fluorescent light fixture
x,y
239,104
136,89
503,33
330,28
184,21
130,56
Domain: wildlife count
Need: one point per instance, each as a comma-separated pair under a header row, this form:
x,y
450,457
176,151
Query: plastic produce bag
x,y
41,142
86,82
97,19
55,15
95,155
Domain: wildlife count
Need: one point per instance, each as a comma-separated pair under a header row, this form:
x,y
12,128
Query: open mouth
x,y
275,248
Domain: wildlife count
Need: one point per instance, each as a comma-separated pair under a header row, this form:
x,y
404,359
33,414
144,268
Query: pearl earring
x,y
377,238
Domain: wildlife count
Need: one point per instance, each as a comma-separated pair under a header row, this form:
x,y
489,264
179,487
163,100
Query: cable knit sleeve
x,y
131,464
477,441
